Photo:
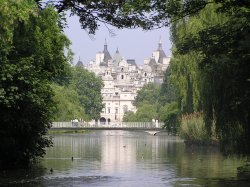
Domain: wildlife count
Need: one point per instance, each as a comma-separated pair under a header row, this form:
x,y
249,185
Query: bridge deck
x,y
109,128
133,126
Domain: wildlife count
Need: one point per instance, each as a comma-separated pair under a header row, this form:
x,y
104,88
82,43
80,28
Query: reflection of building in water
x,y
118,152
123,78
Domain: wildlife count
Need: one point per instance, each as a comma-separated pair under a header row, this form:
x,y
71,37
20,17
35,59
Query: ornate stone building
x,y
123,78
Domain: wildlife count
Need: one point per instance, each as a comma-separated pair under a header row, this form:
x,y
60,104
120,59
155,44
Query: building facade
x,y
122,79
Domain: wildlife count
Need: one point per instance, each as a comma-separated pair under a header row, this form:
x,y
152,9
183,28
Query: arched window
x,y
122,69
103,120
145,74
122,77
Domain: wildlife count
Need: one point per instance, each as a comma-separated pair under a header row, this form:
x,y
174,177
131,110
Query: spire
x,y
160,44
105,45
117,51
106,52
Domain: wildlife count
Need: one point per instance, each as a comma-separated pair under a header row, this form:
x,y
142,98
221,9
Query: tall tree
x,y
149,93
221,38
167,90
146,14
88,87
31,55
68,106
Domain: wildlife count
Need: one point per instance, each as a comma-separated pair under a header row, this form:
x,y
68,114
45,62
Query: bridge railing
x,y
143,125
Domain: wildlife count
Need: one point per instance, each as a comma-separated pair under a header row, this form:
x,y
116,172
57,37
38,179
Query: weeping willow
x,y
211,72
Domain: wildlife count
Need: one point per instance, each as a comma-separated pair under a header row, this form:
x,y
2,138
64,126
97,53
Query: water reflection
x,y
126,158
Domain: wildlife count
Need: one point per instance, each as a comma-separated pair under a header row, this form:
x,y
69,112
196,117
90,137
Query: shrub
x,y
193,130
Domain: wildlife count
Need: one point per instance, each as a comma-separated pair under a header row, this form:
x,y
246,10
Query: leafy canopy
x,y
219,36
31,55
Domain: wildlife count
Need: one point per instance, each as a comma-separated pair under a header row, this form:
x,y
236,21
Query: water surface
x,y
127,158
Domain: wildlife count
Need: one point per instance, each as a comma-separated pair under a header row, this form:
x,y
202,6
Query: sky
x,y
131,43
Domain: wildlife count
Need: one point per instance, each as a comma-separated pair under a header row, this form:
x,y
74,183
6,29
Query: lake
x,y
127,158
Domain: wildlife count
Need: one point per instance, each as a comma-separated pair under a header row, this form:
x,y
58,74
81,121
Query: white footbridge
x,y
149,127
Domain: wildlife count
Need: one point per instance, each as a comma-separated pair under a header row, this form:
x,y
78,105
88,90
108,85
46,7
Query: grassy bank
x,y
193,131
66,131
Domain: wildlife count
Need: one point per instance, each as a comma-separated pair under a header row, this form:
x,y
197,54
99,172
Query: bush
x,y
193,130
171,118
172,122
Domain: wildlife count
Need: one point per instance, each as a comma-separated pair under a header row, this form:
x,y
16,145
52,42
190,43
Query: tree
x,y
88,87
68,105
31,55
221,38
146,14
185,78
171,118
167,90
146,112
149,93
129,116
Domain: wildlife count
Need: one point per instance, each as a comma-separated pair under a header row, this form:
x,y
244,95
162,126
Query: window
x,y
122,69
116,110
122,76
109,110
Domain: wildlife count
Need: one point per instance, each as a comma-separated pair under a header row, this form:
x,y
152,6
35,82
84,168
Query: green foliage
x,y
171,117
146,14
10,12
146,102
150,102
88,87
129,116
80,98
149,93
167,90
217,39
31,54
146,112
193,130
68,105
186,79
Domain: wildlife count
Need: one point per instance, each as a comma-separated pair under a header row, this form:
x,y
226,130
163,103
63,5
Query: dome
x,y
79,63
